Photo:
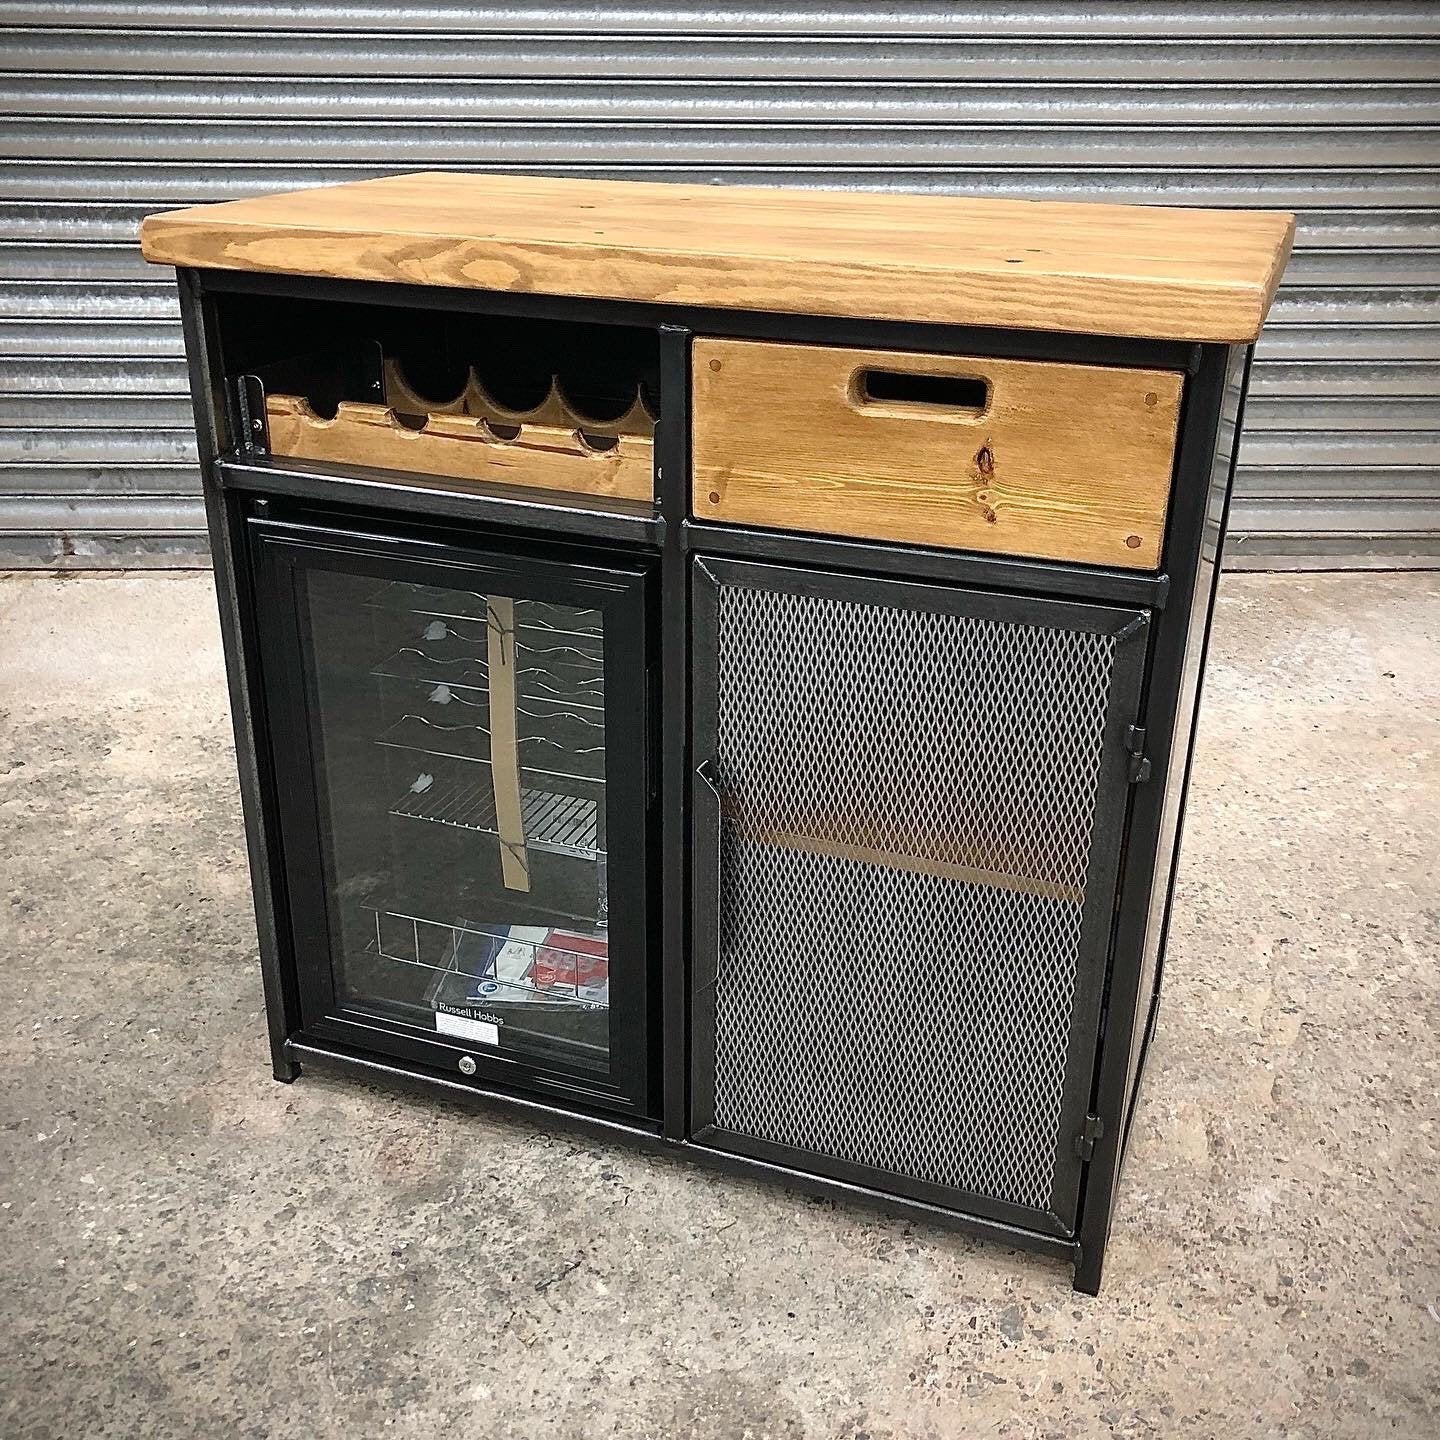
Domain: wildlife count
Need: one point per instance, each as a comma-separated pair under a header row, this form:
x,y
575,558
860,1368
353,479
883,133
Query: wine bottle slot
x,y
556,410
465,447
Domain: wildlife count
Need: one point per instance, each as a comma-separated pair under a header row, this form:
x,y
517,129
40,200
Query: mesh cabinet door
x,y
908,810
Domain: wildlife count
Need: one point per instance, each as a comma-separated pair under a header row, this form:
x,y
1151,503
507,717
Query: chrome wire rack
x,y
559,824
465,952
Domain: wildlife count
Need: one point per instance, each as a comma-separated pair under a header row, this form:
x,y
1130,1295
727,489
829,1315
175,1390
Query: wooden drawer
x,y
1059,462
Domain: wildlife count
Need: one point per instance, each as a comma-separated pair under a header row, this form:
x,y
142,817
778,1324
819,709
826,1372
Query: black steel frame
x,y
1178,600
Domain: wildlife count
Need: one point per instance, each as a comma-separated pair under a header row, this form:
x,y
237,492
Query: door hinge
x,y
1090,1132
1139,760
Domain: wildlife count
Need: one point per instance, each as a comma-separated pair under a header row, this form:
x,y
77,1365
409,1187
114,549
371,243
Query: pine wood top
x,y
1191,275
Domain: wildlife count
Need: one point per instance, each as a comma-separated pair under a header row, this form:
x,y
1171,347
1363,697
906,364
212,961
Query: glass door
x,y
460,753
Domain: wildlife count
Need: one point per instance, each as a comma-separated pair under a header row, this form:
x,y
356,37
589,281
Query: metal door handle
x,y
706,813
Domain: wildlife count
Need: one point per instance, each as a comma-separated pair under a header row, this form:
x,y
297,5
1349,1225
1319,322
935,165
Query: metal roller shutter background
x,y
111,110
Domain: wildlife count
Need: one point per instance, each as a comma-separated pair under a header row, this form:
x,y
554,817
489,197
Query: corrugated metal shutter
x,y
113,109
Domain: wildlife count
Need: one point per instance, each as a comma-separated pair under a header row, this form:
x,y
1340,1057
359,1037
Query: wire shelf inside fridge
x,y
557,824
538,622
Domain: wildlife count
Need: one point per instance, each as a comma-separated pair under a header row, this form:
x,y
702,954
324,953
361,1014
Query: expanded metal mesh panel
x,y
909,803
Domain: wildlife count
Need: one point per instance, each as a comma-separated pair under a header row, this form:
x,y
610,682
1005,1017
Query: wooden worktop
x,y
1192,275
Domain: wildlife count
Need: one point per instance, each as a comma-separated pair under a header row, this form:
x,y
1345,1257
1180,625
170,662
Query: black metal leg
x,y
1089,1268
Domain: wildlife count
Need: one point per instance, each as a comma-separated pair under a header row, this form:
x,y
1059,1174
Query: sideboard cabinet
x,y
721,664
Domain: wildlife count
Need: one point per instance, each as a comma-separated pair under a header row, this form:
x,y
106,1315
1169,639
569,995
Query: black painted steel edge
x,y
884,1202
672,465
1090,617
1153,1010
644,1137
427,1083
1059,346
242,670
1199,426
884,1182
527,1076
704,872
1102,877
955,567
535,512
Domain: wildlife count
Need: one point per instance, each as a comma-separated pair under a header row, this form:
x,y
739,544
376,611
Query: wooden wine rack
x,y
472,436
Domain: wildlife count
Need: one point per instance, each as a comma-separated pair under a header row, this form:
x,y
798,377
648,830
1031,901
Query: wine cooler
x,y
466,748
717,669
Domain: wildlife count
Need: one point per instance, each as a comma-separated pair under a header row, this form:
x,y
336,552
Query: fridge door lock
x,y
467,1064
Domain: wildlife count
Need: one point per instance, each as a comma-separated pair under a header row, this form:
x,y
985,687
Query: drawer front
x,y
1016,457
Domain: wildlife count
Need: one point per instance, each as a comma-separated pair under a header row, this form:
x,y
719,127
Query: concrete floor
x,y
191,1249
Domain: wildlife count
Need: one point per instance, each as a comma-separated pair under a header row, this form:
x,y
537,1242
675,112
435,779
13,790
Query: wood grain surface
x,y
1061,462
462,448
1193,275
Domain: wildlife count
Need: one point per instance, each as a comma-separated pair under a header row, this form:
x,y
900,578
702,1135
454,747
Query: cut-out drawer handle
x,y
962,396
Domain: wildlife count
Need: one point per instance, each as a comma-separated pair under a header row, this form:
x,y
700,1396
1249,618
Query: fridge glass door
x,y
469,728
